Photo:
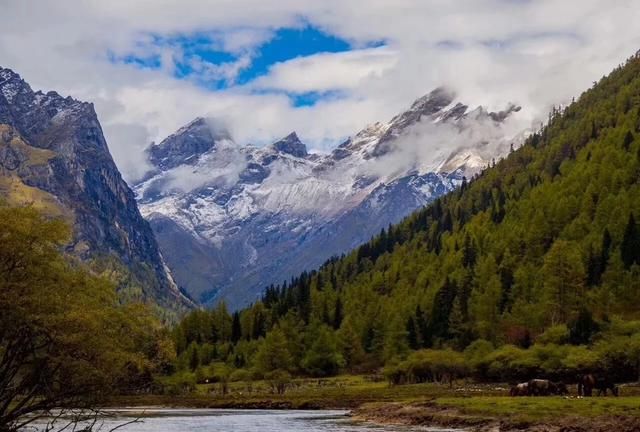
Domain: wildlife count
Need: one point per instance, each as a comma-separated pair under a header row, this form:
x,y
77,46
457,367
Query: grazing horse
x,y
521,389
540,387
588,382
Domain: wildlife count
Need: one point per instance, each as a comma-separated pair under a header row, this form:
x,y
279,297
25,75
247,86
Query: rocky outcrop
x,y
292,145
52,148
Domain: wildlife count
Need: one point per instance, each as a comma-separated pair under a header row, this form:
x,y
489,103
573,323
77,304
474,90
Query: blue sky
x,y
202,58
264,68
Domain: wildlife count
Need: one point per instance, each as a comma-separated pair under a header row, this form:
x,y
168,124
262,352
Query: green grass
x,y
346,391
541,408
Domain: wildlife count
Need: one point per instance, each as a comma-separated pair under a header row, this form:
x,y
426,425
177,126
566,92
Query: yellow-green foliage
x,y
65,340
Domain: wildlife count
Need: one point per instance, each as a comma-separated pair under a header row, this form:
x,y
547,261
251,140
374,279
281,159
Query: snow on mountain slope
x,y
231,219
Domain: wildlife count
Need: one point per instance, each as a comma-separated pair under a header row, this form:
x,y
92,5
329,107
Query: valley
x,y
233,219
198,233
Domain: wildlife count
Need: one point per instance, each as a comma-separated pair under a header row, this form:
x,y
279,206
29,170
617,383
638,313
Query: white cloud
x,y
534,53
244,40
328,71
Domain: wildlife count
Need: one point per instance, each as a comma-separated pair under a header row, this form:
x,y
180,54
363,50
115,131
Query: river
x,y
206,420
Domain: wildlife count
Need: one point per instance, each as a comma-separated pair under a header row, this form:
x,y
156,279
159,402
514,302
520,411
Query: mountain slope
x,y
532,268
547,237
232,219
53,155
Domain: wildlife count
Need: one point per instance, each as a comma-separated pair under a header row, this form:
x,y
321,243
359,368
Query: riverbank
x,y
484,414
478,407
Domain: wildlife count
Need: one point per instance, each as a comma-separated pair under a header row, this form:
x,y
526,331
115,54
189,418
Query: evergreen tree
x,y
338,314
236,328
422,327
194,357
323,357
439,322
274,353
628,139
350,346
413,338
564,277
598,262
582,328
630,246
468,252
458,326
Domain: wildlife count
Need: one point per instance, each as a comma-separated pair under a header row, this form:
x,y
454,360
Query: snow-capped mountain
x,y
231,219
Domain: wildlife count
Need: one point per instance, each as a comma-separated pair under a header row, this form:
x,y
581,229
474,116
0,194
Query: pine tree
x,y
338,314
236,328
194,358
598,263
350,345
582,328
443,302
628,139
274,353
413,338
326,319
458,326
630,246
594,267
422,327
468,252
564,277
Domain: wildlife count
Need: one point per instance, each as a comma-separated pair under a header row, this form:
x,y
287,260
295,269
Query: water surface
x,y
214,420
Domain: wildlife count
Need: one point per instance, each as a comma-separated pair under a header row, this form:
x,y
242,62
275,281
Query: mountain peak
x,y
434,101
11,84
187,144
7,74
292,145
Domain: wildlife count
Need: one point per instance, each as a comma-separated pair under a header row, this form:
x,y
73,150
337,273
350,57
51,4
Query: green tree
x,y
395,340
323,357
193,356
564,277
484,303
582,328
273,353
350,345
630,246
65,341
236,328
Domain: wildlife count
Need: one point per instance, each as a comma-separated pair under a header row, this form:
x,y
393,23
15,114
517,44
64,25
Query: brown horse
x,y
542,387
588,382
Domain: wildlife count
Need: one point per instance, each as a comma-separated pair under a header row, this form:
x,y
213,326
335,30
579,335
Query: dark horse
x,y
541,387
588,382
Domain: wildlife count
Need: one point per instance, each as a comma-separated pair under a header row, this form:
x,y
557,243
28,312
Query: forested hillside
x,y
540,251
